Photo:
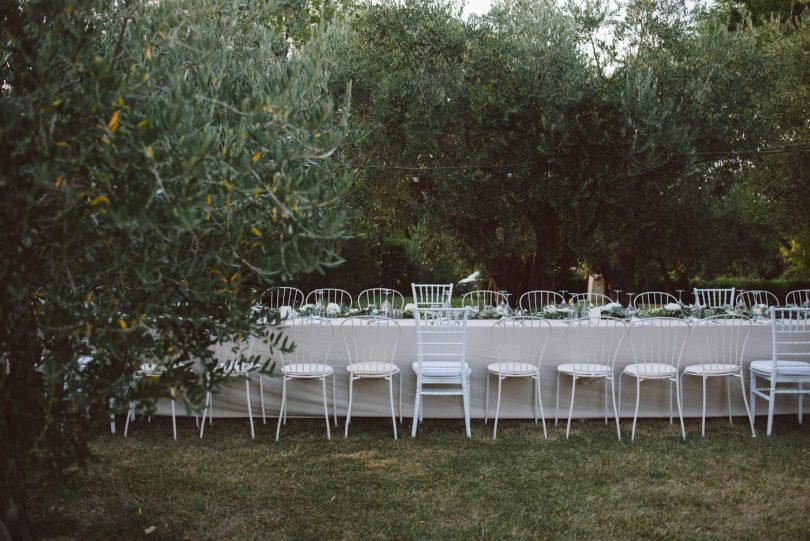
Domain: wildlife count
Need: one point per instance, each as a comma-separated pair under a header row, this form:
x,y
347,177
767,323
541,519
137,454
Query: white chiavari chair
x,y
432,295
714,297
441,335
790,352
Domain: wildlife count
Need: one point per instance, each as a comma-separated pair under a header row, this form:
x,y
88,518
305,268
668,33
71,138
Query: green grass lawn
x,y
439,485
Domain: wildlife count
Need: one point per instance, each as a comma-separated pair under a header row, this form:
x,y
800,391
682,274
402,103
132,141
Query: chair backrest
x,y
798,297
790,331
376,298
328,295
585,299
594,342
276,297
371,340
756,297
721,340
483,298
535,301
650,300
519,340
658,341
432,295
441,336
308,348
714,297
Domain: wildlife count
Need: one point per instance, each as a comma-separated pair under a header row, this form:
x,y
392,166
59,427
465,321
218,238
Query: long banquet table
x,y
371,396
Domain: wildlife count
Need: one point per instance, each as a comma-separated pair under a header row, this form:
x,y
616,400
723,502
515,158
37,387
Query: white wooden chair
x,y
432,295
586,299
377,297
593,344
714,297
328,295
536,300
519,343
276,297
234,368
799,298
721,342
651,300
483,298
307,361
756,297
441,335
657,345
371,345
790,332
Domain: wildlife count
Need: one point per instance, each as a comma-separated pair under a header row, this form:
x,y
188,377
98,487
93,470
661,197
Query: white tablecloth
x,y
371,397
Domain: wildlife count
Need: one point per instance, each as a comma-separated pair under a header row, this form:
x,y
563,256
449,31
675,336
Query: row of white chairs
x,y
427,295
520,343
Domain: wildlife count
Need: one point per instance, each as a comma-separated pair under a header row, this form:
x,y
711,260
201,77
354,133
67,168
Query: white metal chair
x,y
595,299
432,295
756,297
276,297
483,298
714,297
657,345
651,300
235,368
721,342
519,343
371,345
328,295
535,301
307,361
153,371
381,298
799,298
441,335
790,331
593,344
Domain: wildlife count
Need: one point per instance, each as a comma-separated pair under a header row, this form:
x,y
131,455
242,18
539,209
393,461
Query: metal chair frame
x,y
341,297
536,300
376,297
483,298
276,297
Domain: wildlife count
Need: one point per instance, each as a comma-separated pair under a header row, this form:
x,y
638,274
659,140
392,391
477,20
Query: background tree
x,y
161,165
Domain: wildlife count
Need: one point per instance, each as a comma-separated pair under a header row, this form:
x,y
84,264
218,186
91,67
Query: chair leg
x,y
416,405
619,405
400,398
747,409
615,411
129,414
801,399
680,408
261,394
282,412
536,381
325,408
250,410
112,416
635,415
205,412
703,415
606,401
540,402
670,402
497,408
486,401
771,404
391,396
557,409
465,383
334,399
349,410
571,406
752,385
174,418
728,397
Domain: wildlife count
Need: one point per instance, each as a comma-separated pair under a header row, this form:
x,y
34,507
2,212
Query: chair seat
x,y
650,370
513,368
783,368
711,369
372,368
585,369
307,370
442,369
